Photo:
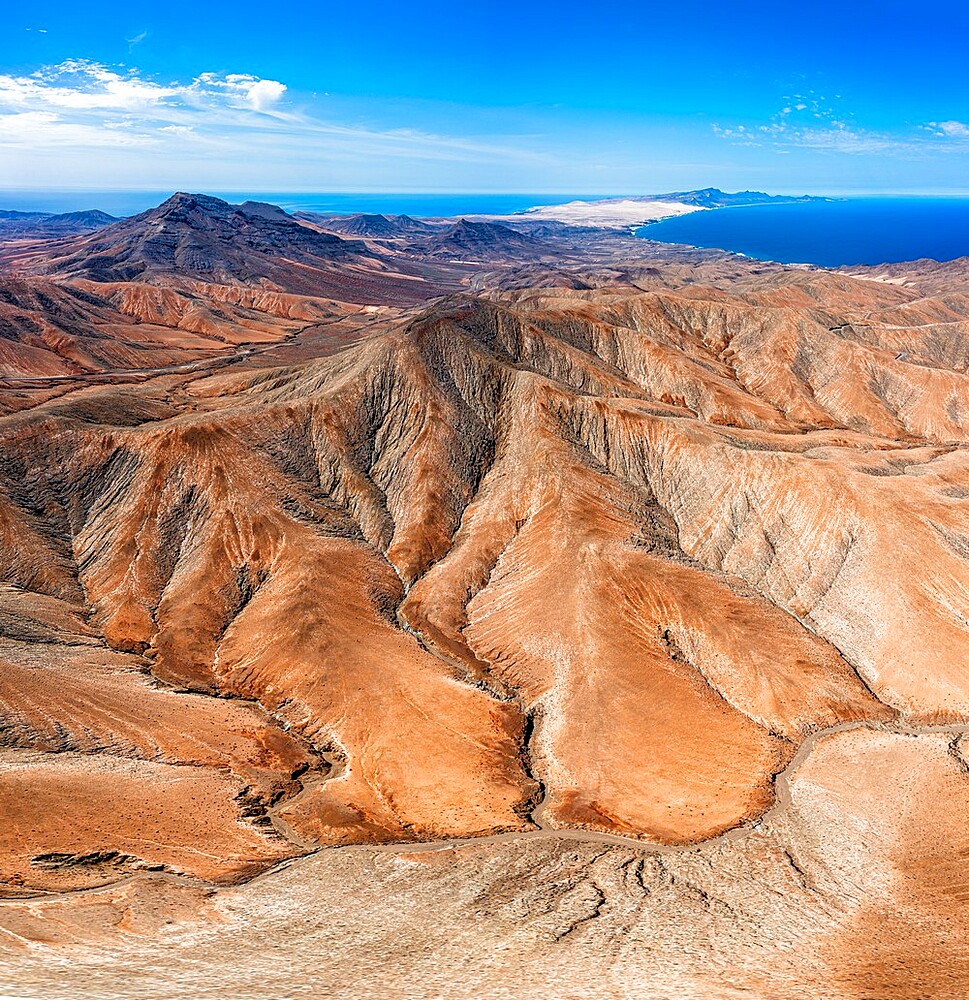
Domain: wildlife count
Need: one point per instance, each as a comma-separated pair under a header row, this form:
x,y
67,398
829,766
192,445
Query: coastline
x,y
829,233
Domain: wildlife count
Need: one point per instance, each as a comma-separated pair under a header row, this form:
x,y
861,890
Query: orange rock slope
x,y
596,559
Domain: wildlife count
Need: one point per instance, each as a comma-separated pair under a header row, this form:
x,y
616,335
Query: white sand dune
x,y
618,213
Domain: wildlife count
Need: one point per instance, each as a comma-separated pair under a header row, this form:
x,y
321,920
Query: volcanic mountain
x,y
483,241
196,236
362,224
615,629
44,225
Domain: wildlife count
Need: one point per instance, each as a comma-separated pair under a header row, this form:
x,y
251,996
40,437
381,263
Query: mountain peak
x,y
183,199
182,202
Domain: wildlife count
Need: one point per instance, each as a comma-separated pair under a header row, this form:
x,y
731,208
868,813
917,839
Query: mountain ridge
x,y
44,225
715,198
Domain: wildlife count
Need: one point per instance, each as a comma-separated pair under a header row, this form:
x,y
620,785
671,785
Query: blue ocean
x,y
829,233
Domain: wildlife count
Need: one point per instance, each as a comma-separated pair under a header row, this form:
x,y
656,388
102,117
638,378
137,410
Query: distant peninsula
x,y
624,213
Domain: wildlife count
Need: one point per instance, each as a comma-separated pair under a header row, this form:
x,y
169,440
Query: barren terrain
x,y
478,610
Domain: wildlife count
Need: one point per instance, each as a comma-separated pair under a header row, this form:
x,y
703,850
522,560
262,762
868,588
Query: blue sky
x,y
845,97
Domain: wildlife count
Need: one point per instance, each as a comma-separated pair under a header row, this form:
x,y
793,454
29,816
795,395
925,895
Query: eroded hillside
x,y
675,562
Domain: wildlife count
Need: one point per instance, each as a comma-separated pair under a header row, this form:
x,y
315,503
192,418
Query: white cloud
x,y
108,122
949,129
263,94
79,104
242,89
78,84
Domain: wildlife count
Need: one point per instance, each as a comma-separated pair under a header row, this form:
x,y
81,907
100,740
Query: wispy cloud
x,y
949,129
241,120
813,121
136,40
43,130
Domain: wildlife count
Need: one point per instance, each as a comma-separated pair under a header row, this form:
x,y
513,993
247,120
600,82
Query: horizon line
x,y
961,192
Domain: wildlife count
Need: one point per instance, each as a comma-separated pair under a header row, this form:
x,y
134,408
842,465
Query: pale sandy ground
x,y
606,214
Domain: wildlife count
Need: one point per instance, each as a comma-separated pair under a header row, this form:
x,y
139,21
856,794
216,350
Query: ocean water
x,y
427,206
845,231
424,205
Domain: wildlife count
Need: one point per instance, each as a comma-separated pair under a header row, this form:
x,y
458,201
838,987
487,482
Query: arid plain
x,y
478,609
